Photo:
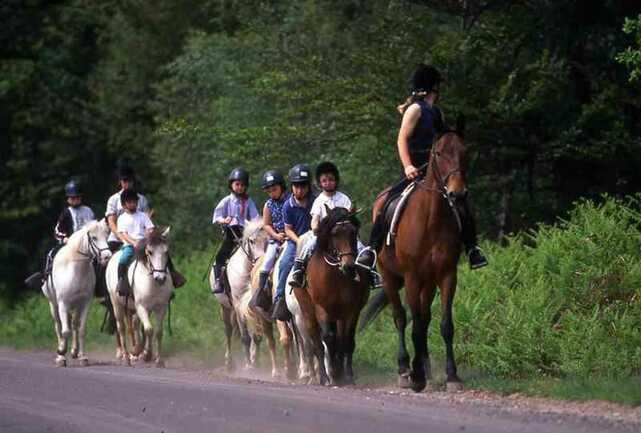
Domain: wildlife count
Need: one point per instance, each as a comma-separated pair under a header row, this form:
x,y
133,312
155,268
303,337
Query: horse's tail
x,y
372,310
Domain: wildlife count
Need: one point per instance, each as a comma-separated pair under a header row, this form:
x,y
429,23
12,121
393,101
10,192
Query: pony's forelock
x,y
253,229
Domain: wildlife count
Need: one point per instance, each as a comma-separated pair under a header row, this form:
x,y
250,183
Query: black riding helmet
x,y
128,195
425,78
271,178
126,173
327,167
239,174
300,173
72,189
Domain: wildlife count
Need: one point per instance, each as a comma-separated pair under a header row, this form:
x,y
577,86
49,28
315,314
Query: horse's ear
x,y
460,124
328,209
165,232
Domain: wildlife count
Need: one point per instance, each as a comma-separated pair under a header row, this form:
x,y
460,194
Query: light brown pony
x,y
336,292
425,255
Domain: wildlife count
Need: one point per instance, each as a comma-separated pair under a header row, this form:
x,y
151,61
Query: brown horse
x,y
336,292
425,255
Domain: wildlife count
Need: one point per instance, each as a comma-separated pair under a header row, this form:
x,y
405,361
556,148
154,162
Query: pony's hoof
x,y
275,374
418,385
454,386
404,380
348,381
146,356
74,353
160,364
84,362
61,361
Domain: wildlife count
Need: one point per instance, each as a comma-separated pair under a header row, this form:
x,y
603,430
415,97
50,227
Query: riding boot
x,y
377,235
123,288
474,254
176,277
218,284
261,300
298,273
35,280
280,310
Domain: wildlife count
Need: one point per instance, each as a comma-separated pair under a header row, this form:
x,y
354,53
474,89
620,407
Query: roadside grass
x,y
557,313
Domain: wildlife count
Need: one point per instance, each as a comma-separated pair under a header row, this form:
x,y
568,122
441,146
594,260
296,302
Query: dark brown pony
x,y
336,292
423,257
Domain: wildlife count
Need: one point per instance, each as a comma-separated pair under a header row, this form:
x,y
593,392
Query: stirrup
x,y
481,256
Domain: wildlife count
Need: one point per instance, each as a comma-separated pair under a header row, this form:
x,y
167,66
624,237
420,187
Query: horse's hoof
x,y
348,381
454,386
61,361
74,353
146,356
84,362
275,374
404,380
160,363
418,384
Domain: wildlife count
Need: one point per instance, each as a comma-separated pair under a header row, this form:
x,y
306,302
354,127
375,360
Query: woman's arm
x,y
410,118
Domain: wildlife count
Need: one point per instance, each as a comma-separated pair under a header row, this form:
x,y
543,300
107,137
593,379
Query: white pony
x,y
235,308
151,286
70,286
306,367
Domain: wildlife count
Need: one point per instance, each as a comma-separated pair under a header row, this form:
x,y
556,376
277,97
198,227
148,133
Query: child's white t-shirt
x,y
134,224
338,199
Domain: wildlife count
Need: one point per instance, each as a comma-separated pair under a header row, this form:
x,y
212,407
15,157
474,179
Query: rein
x,y
244,247
441,188
94,250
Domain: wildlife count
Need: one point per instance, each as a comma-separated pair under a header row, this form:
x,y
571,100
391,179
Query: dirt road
x,y
36,397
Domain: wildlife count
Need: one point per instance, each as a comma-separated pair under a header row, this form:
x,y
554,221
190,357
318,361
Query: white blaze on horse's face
x,y
157,255
344,243
97,239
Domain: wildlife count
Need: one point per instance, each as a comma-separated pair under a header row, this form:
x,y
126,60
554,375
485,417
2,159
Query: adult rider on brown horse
x,y
422,121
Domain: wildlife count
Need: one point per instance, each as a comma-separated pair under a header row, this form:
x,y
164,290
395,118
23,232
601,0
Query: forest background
x,y
185,90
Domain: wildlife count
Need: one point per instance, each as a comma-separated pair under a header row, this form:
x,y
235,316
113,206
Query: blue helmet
x,y
238,174
72,189
272,177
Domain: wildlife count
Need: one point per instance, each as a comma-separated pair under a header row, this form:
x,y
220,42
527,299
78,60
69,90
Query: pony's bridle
x,y
150,265
441,184
94,250
335,258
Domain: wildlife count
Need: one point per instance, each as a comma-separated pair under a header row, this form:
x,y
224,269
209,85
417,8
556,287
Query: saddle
x,y
393,211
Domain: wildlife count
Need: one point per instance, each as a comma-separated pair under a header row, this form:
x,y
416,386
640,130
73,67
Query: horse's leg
x,y
121,332
131,328
448,289
82,331
159,316
143,315
329,338
57,327
74,335
392,287
349,345
417,300
65,333
271,344
285,339
137,340
229,330
245,338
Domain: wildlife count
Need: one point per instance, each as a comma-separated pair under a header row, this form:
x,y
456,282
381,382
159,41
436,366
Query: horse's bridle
x,y
441,183
94,250
150,265
334,259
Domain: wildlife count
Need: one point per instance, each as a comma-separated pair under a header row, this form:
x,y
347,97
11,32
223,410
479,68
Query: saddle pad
x,y
397,206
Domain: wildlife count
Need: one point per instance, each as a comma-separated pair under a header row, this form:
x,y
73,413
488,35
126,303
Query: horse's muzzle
x,y
458,196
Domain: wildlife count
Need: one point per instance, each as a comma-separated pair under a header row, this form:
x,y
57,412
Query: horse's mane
x,y
334,216
78,234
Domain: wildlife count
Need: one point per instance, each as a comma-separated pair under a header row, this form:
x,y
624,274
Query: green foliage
x,y
631,57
